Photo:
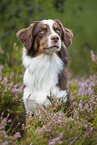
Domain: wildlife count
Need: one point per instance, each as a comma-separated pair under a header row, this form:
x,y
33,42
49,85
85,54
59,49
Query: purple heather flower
x,y
93,56
5,143
9,120
60,142
47,130
17,135
1,67
61,134
51,143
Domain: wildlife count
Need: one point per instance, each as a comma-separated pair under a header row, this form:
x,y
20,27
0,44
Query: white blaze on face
x,y
51,23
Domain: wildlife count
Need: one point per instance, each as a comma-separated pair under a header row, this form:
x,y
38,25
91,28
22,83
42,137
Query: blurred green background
x,y
78,15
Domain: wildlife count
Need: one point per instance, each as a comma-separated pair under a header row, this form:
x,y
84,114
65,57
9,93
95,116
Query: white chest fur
x,y
41,77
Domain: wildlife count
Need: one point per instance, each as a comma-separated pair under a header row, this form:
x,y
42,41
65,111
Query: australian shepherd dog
x,y
45,60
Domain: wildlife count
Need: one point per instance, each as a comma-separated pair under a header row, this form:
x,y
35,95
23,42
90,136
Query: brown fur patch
x,y
44,27
35,46
42,44
67,34
63,78
55,26
25,35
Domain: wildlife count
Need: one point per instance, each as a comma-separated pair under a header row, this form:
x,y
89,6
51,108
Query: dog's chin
x,y
52,49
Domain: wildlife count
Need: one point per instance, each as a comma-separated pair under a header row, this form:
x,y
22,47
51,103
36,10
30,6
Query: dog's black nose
x,y
55,38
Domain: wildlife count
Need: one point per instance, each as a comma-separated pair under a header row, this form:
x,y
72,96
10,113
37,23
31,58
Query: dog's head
x,y
45,36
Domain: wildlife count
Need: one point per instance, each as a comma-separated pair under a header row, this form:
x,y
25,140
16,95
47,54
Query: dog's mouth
x,y
52,49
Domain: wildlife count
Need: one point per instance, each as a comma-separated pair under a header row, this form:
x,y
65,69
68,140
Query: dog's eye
x,y
42,31
57,30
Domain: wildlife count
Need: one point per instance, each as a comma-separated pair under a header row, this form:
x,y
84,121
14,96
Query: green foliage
x,y
79,16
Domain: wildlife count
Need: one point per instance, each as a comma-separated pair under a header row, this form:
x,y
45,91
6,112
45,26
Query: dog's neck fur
x,y
42,71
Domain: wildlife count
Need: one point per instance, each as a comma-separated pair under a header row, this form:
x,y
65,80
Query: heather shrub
x,y
11,107
70,123
78,125
11,104
6,139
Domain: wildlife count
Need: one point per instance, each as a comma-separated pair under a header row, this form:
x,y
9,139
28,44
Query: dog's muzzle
x,y
54,44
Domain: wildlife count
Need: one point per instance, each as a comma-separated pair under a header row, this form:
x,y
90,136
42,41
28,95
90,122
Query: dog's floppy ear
x,y
25,35
67,34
